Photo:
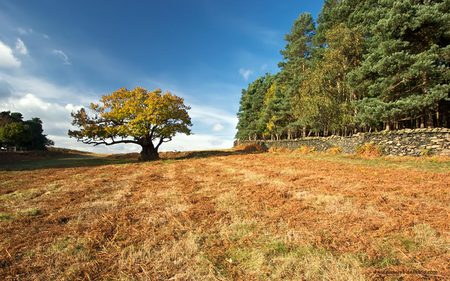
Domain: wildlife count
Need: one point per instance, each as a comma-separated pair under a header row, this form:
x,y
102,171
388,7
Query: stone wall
x,y
408,142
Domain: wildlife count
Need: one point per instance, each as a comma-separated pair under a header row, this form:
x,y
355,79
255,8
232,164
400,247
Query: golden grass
x,y
281,216
369,150
305,149
254,147
334,150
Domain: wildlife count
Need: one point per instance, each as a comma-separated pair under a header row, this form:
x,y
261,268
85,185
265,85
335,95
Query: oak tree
x,y
138,116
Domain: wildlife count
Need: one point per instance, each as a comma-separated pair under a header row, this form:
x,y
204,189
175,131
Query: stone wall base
x,y
408,142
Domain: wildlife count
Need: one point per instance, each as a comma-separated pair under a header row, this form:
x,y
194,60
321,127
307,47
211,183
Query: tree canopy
x,y
28,134
363,66
138,116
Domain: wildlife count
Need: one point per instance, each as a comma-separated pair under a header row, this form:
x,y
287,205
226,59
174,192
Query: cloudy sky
x,y
57,56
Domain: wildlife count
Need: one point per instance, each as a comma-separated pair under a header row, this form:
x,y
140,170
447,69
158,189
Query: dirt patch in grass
x,y
225,216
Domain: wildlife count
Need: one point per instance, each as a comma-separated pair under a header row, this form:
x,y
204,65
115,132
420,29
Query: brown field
x,y
225,216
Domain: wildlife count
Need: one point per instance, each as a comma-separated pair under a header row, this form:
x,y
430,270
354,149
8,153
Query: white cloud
x,y
211,115
20,47
56,117
197,142
7,58
62,56
24,84
218,127
245,73
24,31
35,97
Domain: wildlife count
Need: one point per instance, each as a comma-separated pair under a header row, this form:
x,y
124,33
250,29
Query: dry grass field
x,y
225,216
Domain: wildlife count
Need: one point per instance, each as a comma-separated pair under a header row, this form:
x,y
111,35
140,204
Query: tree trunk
x,y
438,120
149,153
430,119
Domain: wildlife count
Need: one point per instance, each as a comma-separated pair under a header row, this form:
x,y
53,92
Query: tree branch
x,y
152,132
103,141
162,140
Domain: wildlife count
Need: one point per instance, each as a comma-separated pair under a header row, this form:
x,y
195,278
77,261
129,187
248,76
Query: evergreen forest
x,y
361,66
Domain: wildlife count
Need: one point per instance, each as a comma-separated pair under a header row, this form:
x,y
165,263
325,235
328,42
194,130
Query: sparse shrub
x,y
253,147
425,152
369,150
305,149
334,150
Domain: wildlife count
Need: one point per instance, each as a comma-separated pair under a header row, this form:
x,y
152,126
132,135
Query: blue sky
x,y
56,56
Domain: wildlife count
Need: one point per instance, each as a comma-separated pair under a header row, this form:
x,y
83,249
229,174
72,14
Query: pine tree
x,y
250,124
406,68
367,65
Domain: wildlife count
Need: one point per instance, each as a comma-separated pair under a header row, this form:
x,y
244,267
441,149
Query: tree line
x,y
22,134
365,65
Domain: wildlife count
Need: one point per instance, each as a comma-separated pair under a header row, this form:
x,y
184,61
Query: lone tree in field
x,y
133,116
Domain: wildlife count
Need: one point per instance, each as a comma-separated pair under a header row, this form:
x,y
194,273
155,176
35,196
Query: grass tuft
x,y
6,217
32,212
334,150
369,150
426,237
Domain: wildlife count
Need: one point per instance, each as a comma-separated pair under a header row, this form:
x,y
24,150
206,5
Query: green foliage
x,y
405,70
22,134
365,65
133,116
250,125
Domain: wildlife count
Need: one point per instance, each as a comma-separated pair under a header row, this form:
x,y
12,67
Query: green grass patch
x,y
432,164
6,217
267,257
70,246
32,212
242,229
387,254
69,161
21,195
167,161
408,244
426,237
